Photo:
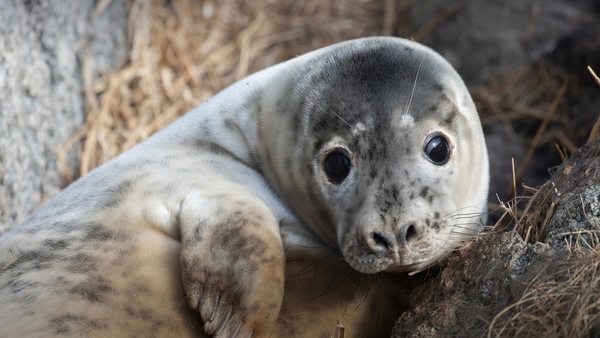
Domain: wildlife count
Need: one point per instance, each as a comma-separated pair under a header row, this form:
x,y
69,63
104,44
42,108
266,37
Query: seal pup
x,y
360,159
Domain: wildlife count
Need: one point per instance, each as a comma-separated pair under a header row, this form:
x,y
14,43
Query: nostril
x,y
380,242
407,233
411,232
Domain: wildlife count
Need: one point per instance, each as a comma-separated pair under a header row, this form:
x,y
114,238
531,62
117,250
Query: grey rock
x,y
480,280
577,199
41,101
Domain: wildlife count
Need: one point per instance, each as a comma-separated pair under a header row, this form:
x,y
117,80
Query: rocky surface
x,y
576,196
41,103
479,281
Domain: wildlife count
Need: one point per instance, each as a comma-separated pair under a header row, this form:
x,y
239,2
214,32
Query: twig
x,y
543,292
560,153
596,129
10,263
594,75
339,331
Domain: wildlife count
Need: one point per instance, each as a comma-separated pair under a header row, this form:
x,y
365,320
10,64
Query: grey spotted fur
x,y
191,230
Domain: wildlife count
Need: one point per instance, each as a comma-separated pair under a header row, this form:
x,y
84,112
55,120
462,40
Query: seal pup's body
x,y
370,150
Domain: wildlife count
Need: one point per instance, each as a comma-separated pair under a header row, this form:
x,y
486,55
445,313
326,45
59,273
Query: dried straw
x,y
184,51
562,305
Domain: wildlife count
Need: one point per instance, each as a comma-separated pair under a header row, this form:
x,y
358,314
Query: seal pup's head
x,y
389,161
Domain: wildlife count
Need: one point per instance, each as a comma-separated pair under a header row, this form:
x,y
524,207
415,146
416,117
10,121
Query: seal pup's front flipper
x,y
232,262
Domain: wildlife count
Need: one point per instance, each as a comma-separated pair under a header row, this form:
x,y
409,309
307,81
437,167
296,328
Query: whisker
x,y
348,110
467,226
412,93
459,211
313,267
336,114
470,214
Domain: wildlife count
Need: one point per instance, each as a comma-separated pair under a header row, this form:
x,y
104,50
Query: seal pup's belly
x,y
119,284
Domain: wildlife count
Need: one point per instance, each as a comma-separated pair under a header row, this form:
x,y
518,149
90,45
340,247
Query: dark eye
x,y
337,166
437,150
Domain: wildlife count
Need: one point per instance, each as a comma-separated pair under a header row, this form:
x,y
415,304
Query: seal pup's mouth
x,y
371,263
409,247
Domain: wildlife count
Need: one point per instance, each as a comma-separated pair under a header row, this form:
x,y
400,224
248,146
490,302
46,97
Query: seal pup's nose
x,y
383,241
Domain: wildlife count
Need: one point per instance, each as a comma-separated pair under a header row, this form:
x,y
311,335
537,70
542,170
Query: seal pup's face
x,y
391,153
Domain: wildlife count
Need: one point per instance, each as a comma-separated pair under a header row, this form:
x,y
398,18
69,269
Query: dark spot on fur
x,y
82,263
17,286
36,260
206,128
373,174
65,324
93,288
450,118
115,194
195,236
97,232
55,244
424,191
395,192
138,289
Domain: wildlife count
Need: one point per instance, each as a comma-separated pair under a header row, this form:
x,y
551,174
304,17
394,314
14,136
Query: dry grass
x,y
184,51
529,95
532,222
525,94
565,304
562,305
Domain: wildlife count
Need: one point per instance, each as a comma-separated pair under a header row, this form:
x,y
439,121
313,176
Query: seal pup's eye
x,y
337,166
437,150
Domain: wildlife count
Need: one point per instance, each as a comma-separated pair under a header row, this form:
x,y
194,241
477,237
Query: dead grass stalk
x,y
185,51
